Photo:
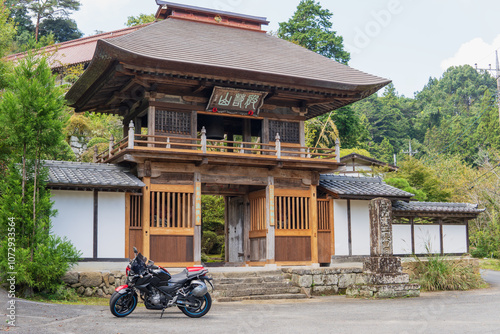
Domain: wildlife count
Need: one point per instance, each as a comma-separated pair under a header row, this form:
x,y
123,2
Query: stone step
x,y
263,297
250,280
267,285
259,291
246,274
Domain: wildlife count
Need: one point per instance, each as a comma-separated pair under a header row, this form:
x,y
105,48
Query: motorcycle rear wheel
x,y
122,305
200,310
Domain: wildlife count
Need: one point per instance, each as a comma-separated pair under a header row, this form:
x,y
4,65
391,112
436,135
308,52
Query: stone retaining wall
x,y
97,284
353,282
324,281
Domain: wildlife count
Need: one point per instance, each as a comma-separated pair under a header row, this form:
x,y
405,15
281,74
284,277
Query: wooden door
x,y
325,231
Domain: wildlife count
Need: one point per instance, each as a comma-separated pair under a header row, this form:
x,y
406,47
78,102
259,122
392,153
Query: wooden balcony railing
x,y
277,149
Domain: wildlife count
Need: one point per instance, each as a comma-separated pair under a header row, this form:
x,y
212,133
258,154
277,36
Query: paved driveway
x,y
443,312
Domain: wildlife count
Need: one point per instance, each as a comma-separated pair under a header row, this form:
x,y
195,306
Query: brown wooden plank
x,y
290,248
324,247
172,248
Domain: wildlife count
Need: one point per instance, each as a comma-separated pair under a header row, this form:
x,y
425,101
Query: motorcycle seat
x,y
179,278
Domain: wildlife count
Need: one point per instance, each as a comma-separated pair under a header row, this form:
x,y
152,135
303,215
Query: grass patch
x,y
97,301
492,264
437,273
212,258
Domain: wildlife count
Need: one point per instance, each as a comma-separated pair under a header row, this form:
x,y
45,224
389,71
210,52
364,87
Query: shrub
x,y
486,242
208,241
439,273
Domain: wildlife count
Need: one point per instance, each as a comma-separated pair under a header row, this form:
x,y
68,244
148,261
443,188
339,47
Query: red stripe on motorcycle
x,y
121,287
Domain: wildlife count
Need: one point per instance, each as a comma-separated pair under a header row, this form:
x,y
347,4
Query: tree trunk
x,y
35,187
23,181
37,26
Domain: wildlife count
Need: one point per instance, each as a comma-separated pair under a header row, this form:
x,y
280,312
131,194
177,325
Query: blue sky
x,y
407,41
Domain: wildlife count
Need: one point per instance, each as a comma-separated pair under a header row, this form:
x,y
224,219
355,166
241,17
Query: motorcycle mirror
x,y
135,251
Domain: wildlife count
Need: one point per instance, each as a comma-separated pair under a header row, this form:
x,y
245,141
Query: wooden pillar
x,y
138,125
96,223
270,236
127,224
349,229
313,212
412,222
265,131
246,229
466,221
197,218
151,123
247,132
441,238
332,224
146,208
302,137
194,124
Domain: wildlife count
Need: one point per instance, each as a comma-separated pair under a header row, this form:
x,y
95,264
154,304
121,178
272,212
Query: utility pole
x,y
410,151
496,76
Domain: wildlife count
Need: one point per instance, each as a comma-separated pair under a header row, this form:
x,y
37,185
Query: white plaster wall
x,y
74,218
401,238
360,227
111,225
455,239
427,235
340,226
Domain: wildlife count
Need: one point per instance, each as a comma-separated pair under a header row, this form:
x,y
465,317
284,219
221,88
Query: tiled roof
x,y
76,51
350,186
78,174
215,51
441,207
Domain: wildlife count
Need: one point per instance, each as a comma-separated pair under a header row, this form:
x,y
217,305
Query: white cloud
x,y
475,51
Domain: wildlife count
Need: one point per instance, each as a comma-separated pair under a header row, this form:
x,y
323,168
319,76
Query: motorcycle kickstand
x,y
163,311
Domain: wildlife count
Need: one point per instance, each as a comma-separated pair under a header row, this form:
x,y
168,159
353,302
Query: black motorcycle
x,y
159,290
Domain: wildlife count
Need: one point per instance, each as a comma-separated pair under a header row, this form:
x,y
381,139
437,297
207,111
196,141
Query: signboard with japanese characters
x,y
240,101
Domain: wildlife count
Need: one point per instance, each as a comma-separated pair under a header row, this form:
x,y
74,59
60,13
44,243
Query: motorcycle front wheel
x,y
122,305
202,307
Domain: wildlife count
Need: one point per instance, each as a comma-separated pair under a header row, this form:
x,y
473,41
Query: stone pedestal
x,y
382,270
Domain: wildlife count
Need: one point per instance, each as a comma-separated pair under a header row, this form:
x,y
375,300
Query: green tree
x,y
139,19
7,29
63,29
42,9
31,112
311,27
351,130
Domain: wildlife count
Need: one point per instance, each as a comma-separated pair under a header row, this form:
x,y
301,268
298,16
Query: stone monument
x,y
382,271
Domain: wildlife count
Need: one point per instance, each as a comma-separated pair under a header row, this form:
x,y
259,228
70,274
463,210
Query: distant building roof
x,y
77,51
360,187
65,174
434,207
363,159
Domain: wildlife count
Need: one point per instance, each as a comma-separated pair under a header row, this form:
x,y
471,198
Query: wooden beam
x,y
313,223
332,223
270,217
127,224
197,218
412,235
441,237
349,229
146,210
96,223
